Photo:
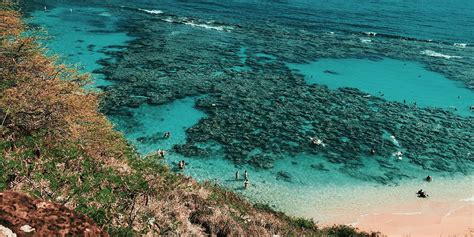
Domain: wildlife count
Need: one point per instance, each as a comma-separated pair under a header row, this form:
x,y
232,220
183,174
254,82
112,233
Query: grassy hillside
x,y
56,146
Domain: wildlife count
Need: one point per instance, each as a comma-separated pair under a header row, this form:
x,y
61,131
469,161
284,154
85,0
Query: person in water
x,y
246,175
181,165
161,153
429,178
167,135
246,183
237,175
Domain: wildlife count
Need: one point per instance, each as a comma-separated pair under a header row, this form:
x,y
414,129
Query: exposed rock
x,y
26,216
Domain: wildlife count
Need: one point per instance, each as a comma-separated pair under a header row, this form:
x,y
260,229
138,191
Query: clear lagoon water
x,y
394,80
244,85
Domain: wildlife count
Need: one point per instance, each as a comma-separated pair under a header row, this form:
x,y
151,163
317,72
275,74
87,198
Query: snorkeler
x,y
316,141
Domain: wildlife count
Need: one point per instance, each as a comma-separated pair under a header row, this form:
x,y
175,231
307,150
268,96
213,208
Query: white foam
x,y
219,28
370,33
105,14
364,40
471,199
151,11
438,55
460,45
168,19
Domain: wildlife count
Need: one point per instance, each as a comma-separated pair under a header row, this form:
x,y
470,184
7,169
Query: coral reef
x,y
260,111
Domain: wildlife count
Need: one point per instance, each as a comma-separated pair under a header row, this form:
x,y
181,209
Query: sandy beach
x,y
449,211
421,218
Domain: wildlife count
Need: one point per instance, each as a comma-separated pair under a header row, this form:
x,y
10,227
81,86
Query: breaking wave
x,y
438,55
151,11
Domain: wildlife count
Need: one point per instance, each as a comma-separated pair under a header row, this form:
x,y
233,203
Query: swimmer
x,y
181,165
372,151
429,178
315,141
166,135
246,183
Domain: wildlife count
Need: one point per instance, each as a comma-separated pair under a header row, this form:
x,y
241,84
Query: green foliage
x,y
303,223
346,231
264,207
121,231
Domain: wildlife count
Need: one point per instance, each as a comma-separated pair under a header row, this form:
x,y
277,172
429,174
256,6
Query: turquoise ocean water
x,y
385,86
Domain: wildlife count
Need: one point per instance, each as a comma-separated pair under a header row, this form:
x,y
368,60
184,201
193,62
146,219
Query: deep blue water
x,y
443,20
385,86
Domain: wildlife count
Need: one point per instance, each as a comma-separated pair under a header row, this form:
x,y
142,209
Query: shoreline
x,y
421,218
393,210
449,211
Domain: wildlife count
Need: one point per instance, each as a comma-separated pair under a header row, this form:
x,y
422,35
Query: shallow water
x,y
82,42
148,124
246,88
394,80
